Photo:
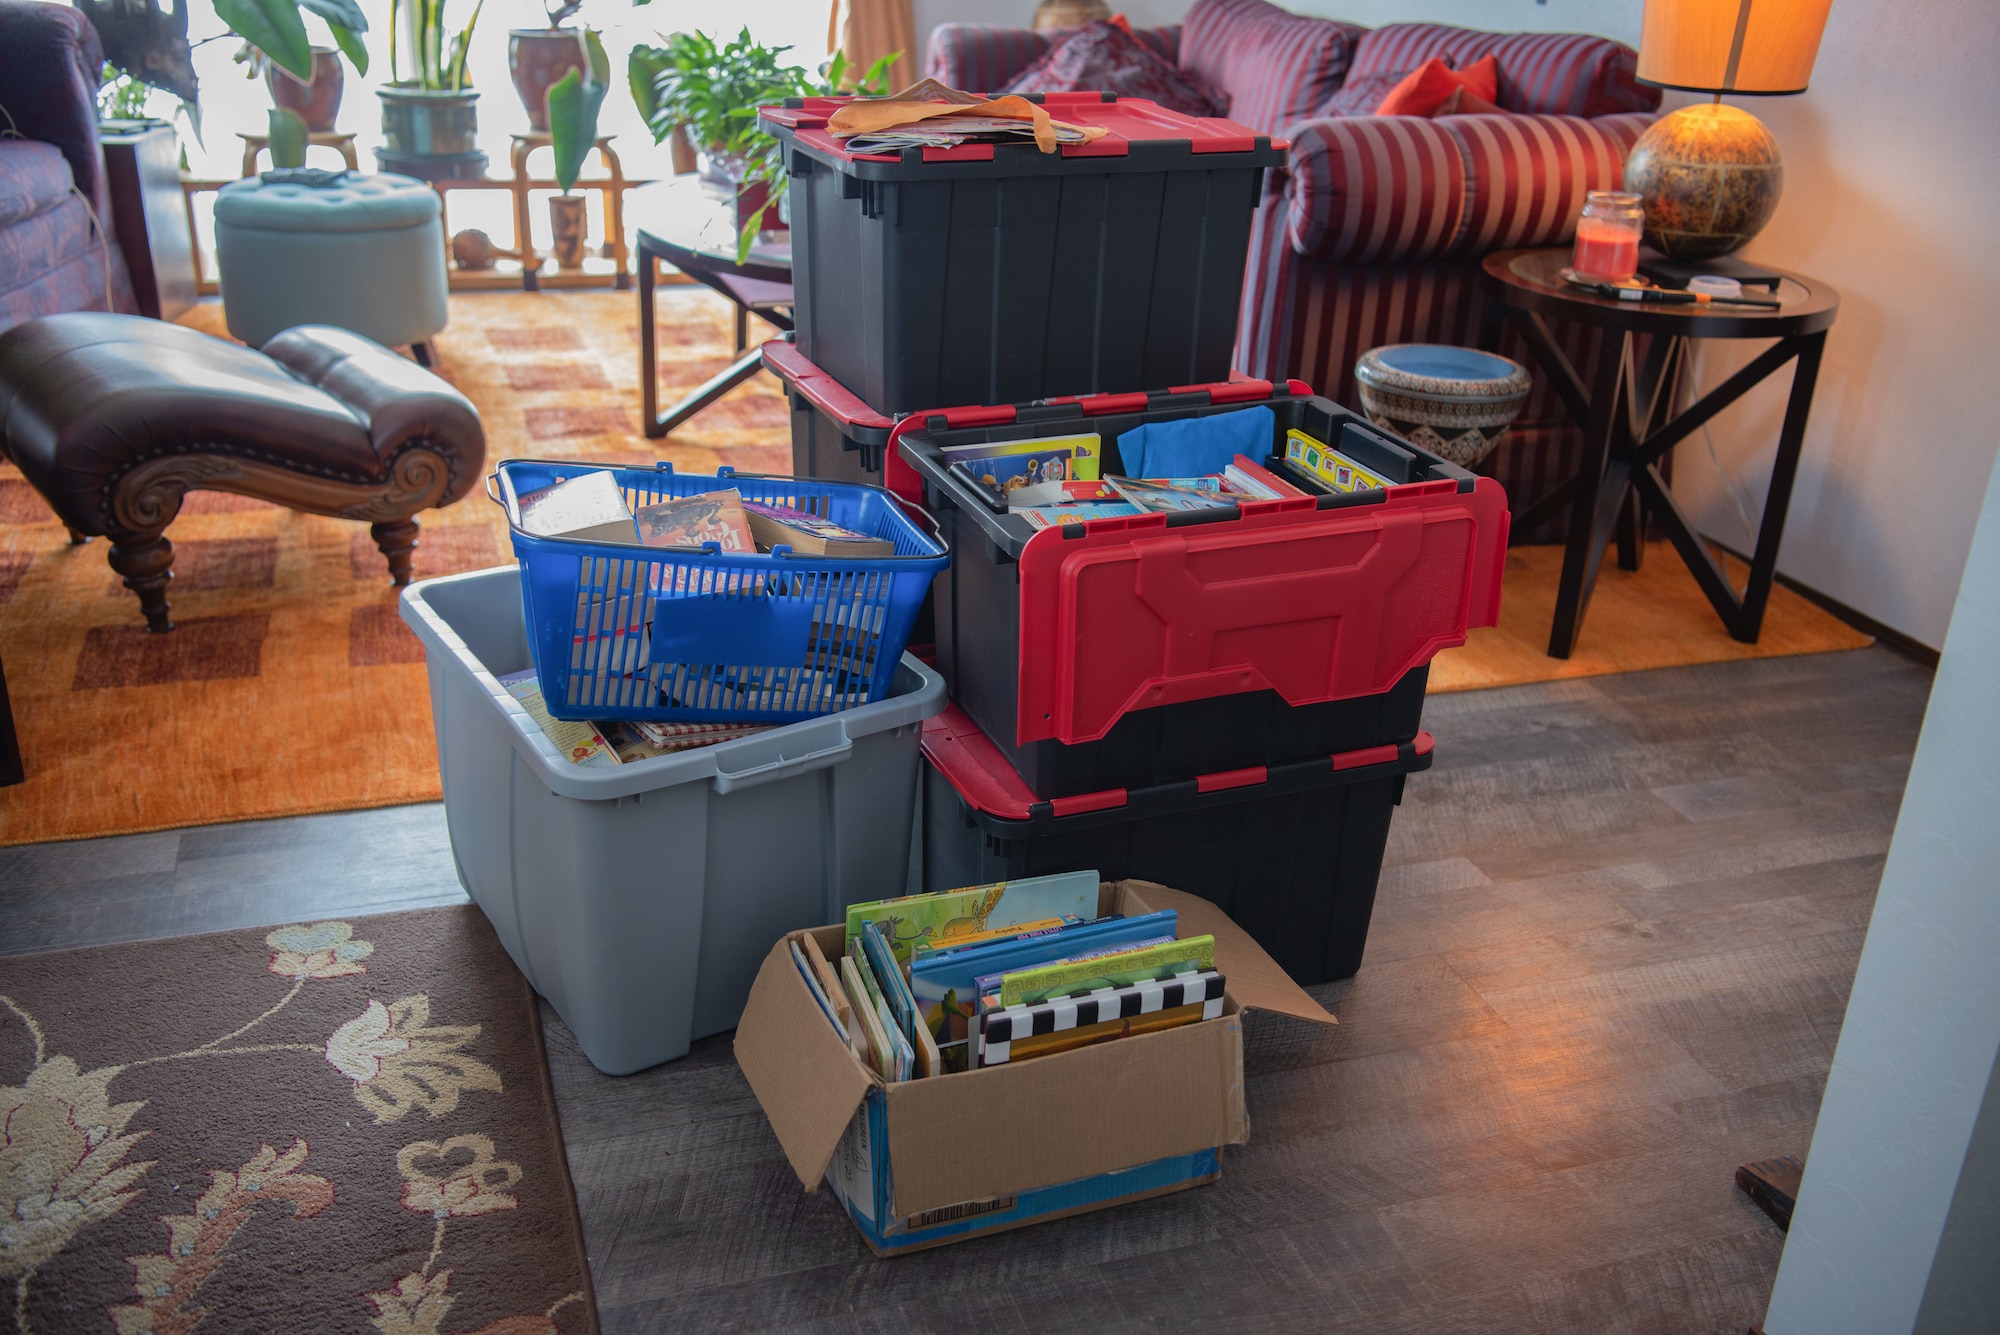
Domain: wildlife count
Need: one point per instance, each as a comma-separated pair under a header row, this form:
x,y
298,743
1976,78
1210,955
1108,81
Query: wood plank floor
x,y
1610,956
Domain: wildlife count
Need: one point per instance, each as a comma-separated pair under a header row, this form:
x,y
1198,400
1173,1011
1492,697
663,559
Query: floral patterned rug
x,y
335,1126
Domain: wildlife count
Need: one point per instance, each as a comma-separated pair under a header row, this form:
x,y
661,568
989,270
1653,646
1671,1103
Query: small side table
x,y
686,223
341,142
149,213
1629,424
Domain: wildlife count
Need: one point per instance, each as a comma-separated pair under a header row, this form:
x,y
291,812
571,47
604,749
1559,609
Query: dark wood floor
x,y
1609,961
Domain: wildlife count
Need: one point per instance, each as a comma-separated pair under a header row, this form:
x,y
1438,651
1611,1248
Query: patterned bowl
x,y
1454,402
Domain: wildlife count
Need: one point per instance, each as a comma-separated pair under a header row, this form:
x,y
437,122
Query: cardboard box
x,y
925,1162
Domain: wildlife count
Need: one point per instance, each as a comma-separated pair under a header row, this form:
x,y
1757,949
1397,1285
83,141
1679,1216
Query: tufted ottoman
x,y
115,418
364,253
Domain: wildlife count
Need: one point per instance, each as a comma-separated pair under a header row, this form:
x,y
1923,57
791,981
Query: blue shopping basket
x,y
686,634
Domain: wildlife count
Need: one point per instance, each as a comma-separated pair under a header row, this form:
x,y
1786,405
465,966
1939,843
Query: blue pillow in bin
x,y
1198,446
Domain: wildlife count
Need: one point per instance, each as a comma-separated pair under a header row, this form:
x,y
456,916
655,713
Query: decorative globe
x,y
1455,402
1709,177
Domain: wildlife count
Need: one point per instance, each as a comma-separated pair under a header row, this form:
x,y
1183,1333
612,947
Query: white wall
x,y
1889,1178
1893,197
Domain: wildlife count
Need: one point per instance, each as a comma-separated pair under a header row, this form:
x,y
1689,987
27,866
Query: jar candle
x,y
1607,236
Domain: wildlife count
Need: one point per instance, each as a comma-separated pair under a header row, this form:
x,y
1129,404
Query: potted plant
x,y
570,110
150,44
430,119
711,93
538,57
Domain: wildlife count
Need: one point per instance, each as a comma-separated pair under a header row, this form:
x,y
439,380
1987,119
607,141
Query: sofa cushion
x,y
1275,67
1362,93
34,178
1105,57
1554,73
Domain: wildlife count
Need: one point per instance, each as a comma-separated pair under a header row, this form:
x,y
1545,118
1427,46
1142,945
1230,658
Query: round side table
x,y
1629,424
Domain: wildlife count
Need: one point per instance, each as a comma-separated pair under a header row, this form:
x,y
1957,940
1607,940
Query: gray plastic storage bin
x,y
641,900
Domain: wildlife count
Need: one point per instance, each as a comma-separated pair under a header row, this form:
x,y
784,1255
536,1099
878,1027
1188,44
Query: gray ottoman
x,y
364,253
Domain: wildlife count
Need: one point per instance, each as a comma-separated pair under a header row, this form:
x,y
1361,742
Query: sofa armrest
x,y
49,63
1396,188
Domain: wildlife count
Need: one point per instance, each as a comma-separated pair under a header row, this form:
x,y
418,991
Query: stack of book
x,y
959,980
593,508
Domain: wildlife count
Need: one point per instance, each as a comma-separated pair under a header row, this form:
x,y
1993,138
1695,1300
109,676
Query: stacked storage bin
x,y
999,274
1226,702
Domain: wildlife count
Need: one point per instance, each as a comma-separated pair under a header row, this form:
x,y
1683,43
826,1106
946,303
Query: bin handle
x,y
824,757
491,494
937,529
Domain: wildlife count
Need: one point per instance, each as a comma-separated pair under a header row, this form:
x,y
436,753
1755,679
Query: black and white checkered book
x,y
1004,1027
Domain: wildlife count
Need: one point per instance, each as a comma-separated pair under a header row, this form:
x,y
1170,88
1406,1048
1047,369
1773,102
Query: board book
x,y
944,915
1118,970
690,521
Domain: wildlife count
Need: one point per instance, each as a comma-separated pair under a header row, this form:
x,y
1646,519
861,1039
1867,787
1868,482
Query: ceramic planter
x,y
537,58
569,224
1454,402
423,122
317,102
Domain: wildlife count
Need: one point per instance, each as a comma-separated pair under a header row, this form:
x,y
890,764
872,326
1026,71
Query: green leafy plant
x,y
714,91
120,97
438,63
574,102
289,137
150,44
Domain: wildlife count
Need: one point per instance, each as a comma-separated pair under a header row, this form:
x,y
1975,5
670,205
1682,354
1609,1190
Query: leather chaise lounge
x,y
114,419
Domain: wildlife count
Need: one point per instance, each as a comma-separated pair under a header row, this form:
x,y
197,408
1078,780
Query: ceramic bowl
x,y
1454,402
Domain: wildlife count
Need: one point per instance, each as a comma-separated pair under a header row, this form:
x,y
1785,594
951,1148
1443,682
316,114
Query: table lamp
x,y
1709,175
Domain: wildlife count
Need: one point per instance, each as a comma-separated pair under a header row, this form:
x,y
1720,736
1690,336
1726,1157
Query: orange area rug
x,y
293,686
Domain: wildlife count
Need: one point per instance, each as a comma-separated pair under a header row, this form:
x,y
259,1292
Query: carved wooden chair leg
x,y
77,539
398,542
147,564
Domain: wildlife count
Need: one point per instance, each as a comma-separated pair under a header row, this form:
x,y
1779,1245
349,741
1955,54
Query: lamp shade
x,y
1731,46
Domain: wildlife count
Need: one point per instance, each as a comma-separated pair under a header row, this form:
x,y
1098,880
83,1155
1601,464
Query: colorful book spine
x,y
1119,970
1018,1032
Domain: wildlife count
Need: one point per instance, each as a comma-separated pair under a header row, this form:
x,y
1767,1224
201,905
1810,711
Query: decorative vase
x,y
569,224
537,58
430,134
317,102
1455,402
1709,176
1069,13
750,198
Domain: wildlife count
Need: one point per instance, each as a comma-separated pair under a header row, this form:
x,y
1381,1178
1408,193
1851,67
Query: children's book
x,y
810,535
1040,983
582,743
1166,498
1254,480
890,977
926,947
1329,465
829,981
818,992
589,506
868,1022
946,983
1062,493
689,521
1009,474
941,916
1054,516
1085,451
1018,1033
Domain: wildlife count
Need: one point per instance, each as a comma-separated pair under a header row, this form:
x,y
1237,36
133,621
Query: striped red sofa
x,y
1375,231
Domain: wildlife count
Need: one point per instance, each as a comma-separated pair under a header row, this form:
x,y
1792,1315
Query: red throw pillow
x,y
1464,102
1427,87
1103,57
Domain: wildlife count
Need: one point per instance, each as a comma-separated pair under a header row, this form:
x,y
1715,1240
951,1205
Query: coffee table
x,y
691,224
1629,423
